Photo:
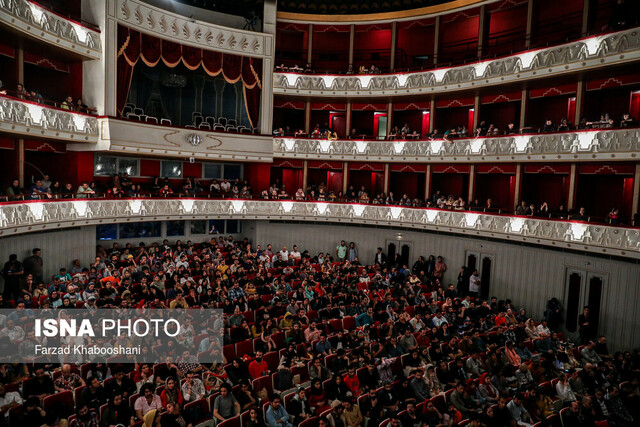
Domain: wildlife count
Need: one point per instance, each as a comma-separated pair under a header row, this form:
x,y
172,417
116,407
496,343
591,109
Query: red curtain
x,y
150,49
133,45
212,62
231,67
191,57
171,53
252,79
128,54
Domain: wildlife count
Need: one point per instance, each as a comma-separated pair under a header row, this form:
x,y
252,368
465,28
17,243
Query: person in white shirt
x,y
8,400
474,284
439,319
563,389
518,412
284,253
543,329
295,253
225,186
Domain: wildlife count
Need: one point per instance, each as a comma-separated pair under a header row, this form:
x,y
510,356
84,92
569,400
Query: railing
x,y
615,144
592,52
52,27
30,118
25,217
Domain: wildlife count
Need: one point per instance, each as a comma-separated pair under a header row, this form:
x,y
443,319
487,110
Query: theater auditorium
x,y
358,213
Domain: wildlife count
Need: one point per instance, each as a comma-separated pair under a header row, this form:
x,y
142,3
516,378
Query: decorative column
x,y
352,38
345,179
305,175
219,84
523,107
19,147
636,192
394,41
99,78
310,45
307,117
573,178
427,183
527,43
387,175
472,183
436,41
239,102
586,16
517,189
19,143
482,21
476,113
389,117
432,115
579,102
347,119
265,123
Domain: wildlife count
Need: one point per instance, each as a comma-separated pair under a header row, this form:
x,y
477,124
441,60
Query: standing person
x,y
341,251
352,253
474,284
12,272
33,265
586,327
380,258
440,269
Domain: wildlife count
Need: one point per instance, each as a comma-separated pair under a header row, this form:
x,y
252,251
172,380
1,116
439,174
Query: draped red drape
x,y
134,46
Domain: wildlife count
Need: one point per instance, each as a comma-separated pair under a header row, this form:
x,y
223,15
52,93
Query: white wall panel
x,y
59,248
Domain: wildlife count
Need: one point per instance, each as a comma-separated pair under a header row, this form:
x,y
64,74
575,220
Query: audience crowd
x,y
33,95
122,186
483,129
311,340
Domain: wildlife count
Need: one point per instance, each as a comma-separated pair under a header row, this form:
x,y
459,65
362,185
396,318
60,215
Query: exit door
x,y
484,264
583,289
402,250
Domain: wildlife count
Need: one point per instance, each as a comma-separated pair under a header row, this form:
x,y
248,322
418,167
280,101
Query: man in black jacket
x,y
380,258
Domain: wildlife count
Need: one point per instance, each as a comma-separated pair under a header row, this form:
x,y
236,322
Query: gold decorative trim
x,y
384,16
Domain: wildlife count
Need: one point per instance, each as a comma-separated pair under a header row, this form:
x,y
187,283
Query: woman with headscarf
x,y
152,419
336,389
433,383
299,407
317,398
238,371
171,392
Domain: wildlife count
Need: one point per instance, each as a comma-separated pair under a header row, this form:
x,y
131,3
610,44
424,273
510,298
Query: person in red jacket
x,y
258,367
352,382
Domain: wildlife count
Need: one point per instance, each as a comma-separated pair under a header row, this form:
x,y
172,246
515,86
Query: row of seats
x,y
221,124
131,112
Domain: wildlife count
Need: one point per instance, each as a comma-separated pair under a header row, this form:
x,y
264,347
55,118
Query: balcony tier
x,y
586,54
42,24
26,217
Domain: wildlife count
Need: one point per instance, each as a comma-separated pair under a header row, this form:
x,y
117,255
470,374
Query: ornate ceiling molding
x,y
29,217
618,144
171,26
39,121
590,53
42,24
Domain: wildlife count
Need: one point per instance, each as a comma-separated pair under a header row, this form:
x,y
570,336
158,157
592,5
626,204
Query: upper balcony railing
x,y
614,144
39,121
589,53
43,24
25,217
